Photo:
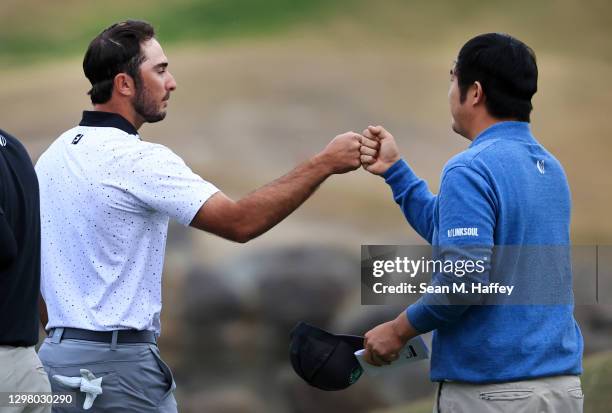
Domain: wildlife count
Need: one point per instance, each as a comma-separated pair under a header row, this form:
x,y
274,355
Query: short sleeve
x,y
164,183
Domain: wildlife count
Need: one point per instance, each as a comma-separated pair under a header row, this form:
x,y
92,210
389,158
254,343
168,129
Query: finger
x,y
368,151
378,360
370,143
357,139
381,132
367,357
349,135
390,358
375,130
366,132
367,159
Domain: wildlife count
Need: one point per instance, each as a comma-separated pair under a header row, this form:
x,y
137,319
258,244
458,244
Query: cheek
x,y
154,83
450,99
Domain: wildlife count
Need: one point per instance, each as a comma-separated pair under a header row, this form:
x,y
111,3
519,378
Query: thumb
x,y
375,130
381,132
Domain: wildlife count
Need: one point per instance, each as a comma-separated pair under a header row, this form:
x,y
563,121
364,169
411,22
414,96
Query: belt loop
x,y
114,340
57,335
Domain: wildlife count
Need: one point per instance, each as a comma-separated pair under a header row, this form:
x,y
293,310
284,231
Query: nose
x,y
171,85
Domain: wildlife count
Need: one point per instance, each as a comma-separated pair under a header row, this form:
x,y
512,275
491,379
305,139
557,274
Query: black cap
x,y
325,360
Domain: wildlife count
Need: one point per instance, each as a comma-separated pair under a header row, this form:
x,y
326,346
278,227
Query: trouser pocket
x,y
576,392
61,379
164,369
506,394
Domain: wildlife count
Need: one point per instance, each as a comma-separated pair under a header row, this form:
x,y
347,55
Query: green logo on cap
x,y
355,374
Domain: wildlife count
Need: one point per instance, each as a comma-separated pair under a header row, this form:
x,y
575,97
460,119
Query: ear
x,y
124,84
478,95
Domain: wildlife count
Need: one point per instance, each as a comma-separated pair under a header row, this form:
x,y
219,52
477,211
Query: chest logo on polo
x,y
77,139
462,232
2,141
540,166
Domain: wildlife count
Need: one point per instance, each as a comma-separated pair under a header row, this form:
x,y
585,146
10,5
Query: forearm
x,y
413,196
262,209
452,291
404,328
42,311
265,207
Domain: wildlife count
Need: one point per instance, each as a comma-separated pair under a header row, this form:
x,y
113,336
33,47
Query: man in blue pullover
x,y
504,191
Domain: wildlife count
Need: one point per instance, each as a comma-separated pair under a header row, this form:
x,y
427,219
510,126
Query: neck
x,y
483,123
125,110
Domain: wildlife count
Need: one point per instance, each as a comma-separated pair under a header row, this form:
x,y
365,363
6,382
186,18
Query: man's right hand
x,y
379,150
342,154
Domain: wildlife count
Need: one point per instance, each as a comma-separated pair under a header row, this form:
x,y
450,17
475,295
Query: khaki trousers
x,y
558,394
22,371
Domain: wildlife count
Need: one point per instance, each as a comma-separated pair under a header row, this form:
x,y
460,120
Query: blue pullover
x,y
504,190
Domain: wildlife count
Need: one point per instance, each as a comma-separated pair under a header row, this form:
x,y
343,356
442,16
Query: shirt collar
x,y
99,119
512,130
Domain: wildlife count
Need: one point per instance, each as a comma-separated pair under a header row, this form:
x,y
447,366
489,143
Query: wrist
x,y
391,162
321,163
403,329
395,169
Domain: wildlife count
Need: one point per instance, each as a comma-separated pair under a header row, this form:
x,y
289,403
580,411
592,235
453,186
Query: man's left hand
x,y
384,342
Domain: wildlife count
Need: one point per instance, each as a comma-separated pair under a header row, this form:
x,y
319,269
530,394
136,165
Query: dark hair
x,y
115,50
507,70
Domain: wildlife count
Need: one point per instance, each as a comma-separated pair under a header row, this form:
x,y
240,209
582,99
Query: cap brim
x,y
356,342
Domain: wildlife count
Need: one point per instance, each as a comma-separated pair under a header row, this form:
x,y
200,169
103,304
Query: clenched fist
x,y
342,154
378,150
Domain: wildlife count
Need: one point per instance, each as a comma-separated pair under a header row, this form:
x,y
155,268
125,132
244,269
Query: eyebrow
x,y
160,65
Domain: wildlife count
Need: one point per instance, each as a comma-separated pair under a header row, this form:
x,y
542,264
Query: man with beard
x,y
106,199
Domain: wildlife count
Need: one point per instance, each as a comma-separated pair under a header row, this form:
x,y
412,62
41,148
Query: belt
x,y
123,336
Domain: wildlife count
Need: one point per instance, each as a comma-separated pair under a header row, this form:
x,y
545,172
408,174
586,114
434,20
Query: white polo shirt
x,y
105,201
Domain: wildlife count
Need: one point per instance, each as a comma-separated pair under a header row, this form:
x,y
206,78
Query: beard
x,y
146,107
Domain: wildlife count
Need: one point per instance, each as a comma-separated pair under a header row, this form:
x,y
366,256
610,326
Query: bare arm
x,y
262,209
42,311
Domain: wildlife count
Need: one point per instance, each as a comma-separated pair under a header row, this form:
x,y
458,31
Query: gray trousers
x,y
558,394
134,377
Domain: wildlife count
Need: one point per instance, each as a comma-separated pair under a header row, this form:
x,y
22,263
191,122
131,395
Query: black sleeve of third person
x,y
8,244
